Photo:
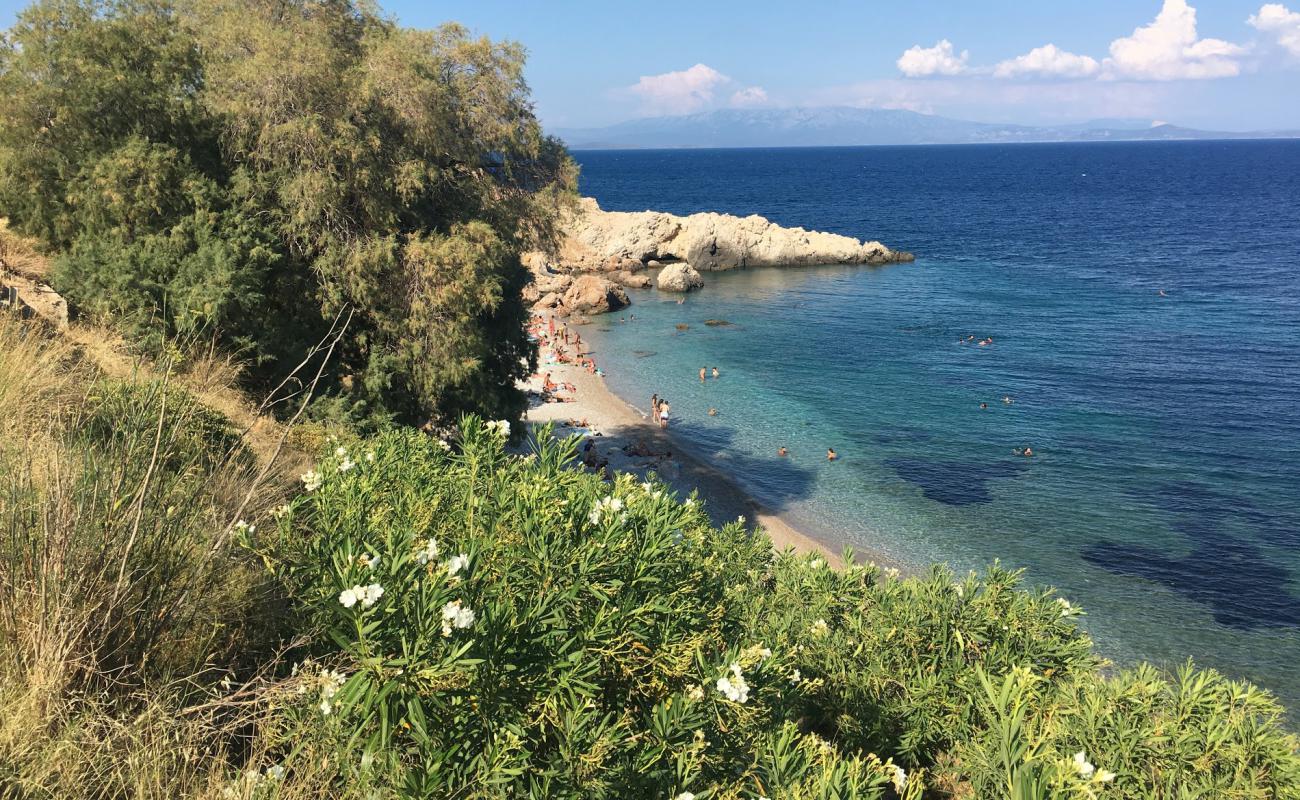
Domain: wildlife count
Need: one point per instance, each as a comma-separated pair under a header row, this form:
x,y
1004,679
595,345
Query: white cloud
x,y
1168,49
1048,61
919,62
1282,23
749,97
679,92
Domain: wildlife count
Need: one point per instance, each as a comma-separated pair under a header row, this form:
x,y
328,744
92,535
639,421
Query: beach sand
x,y
622,428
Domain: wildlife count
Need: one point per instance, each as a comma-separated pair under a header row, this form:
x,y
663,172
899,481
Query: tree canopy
x,y
253,168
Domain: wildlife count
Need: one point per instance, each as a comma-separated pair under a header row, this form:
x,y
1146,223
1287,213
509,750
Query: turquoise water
x,y
1163,496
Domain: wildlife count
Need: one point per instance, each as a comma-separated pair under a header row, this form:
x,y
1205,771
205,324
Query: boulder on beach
x,y
632,281
592,294
679,277
549,300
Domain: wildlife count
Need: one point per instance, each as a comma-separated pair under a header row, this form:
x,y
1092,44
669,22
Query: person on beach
x,y
663,413
831,455
548,385
781,451
701,374
715,372
654,407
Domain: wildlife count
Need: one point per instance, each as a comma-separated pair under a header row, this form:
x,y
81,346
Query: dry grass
x,y
21,254
123,600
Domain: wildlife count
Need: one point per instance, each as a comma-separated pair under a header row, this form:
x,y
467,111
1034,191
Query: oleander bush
x,y
497,625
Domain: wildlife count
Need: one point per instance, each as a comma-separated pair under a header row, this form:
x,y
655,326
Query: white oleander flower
x,y
1067,610
428,553
341,451
607,506
741,519
900,779
817,563
457,563
820,628
370,456
688,502
311,480
685,796
796,677
734,687
892,573
456,615
501,427
371,595
281,511
957,587
330,683
444,445
275,772
350,596
1082,766
647,487
696,693
346,464
1104,776
369,562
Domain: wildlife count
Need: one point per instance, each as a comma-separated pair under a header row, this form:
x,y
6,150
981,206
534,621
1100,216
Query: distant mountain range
x,y
842,126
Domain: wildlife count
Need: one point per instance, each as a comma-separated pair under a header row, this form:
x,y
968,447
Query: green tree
x,y
256,167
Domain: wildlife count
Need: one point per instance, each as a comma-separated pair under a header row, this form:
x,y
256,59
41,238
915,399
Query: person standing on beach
x,y
654,406
663,413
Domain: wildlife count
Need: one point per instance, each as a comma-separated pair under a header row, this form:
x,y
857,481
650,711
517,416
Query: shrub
x,y
508,625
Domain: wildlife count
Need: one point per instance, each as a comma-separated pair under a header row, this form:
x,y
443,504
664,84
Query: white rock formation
x,y
622,242
679,278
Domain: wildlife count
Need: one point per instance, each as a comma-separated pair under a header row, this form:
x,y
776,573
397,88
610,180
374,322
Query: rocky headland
x,y
601,252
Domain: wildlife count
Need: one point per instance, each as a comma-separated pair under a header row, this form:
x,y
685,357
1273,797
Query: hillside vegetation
x,y
262,172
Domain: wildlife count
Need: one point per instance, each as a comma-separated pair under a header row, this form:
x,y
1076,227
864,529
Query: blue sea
x,y
1164,494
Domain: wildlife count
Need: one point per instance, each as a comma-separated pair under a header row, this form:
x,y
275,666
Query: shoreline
x,y
616,427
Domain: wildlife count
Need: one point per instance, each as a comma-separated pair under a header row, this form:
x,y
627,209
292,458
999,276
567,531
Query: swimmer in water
x,y
1007,399
831,454
702,374
715,372
781,451
1162,293
984,405
713,412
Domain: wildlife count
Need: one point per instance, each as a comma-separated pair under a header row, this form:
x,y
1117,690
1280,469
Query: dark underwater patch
x,y
1225,572
954,483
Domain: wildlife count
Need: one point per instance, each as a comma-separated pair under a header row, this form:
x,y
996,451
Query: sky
x,y
1215,64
